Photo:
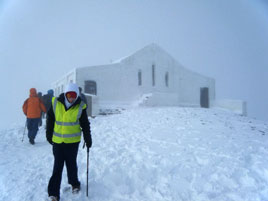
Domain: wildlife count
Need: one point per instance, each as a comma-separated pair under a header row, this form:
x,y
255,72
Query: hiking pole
x,y
87,168
87,165
24,130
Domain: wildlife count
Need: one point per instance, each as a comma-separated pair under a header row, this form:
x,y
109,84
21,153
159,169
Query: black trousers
x,y
63,153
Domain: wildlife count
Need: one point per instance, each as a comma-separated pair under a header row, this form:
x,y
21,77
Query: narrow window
x,y
139,78
153,75
166,79
91,87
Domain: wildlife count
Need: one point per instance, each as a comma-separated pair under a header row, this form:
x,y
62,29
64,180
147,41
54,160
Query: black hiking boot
x,y
31,141
53,198
75,189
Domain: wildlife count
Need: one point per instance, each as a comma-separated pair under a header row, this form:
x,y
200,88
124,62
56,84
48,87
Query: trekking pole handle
x,y
84,144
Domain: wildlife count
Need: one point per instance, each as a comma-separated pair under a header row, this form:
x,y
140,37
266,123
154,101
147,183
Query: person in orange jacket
x,y
32,108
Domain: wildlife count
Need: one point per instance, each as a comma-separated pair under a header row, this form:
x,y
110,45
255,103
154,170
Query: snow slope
x,y
149,154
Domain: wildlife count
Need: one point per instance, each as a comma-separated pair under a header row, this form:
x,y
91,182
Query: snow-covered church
x,y
149,77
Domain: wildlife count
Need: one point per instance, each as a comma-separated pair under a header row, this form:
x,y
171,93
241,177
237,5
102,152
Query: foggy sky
x,y
40,40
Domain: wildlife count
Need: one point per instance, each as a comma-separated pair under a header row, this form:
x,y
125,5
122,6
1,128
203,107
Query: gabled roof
x,y
153,47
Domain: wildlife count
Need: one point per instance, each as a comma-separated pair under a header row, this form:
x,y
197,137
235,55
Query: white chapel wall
x,y
59,85
190,84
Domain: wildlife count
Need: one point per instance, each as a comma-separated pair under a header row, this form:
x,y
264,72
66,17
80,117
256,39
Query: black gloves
x,y
50,141
88,142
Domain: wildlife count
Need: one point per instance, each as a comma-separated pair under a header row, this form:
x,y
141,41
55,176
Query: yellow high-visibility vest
x,y
67,127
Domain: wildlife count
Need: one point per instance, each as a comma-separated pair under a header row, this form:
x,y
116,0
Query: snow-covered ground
x,y
149,154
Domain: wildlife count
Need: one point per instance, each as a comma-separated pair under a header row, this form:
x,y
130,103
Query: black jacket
x,y
83,97
84,123
47,100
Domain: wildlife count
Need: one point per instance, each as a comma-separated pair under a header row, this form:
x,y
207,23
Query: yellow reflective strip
x,y
60,123
80,110
55,104
67,135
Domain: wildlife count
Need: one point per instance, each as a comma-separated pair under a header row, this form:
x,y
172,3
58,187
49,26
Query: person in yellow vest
x,y
66,118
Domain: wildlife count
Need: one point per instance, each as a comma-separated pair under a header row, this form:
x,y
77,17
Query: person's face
x,y
70,99
71,96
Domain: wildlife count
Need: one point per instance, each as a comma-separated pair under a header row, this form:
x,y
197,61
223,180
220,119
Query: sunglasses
x,y
71,94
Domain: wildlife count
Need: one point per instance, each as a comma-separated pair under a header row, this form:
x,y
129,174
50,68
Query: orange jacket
x,y
33,105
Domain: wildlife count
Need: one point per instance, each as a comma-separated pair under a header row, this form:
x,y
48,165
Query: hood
x,y
50,92
72,87
33,92
68,88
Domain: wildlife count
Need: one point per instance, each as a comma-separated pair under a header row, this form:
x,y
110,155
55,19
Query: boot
x,y
31,141
75,189
53,198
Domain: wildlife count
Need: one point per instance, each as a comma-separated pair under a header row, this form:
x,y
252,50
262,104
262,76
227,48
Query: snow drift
x,y
149,154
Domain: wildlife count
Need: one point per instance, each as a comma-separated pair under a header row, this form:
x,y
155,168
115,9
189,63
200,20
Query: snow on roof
x,y
150,46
